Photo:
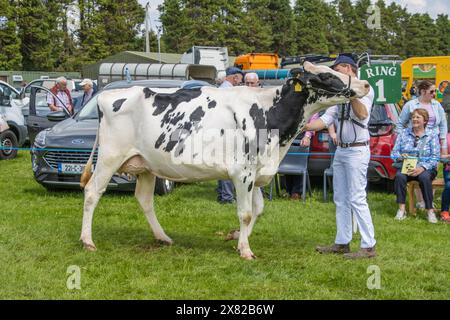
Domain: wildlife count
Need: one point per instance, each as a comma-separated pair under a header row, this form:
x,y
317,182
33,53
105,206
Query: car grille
x,y
76,157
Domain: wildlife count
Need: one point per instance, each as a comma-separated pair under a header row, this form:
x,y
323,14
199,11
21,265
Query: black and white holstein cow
x,y
145,131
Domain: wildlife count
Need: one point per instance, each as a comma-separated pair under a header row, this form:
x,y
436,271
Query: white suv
x,y
11,109
8,141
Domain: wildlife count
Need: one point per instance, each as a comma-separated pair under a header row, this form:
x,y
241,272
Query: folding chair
x,y
294,163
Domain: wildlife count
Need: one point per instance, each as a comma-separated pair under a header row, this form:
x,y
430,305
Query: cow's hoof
x,y
89,246
247,255
165,242
232,235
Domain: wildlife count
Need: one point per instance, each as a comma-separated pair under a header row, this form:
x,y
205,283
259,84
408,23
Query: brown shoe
x,y
335,248
363,253
296,196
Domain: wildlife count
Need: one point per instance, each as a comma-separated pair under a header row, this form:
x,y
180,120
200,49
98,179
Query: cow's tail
x,y
87,172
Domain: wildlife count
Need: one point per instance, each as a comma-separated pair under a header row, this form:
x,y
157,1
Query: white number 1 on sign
x,y
380,86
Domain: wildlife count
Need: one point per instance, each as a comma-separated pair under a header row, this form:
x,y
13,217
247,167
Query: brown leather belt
x,y
355,144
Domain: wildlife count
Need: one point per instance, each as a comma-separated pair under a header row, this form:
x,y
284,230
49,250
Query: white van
x,y
11,110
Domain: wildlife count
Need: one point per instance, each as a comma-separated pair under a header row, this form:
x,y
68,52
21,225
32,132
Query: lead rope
x,y
341,120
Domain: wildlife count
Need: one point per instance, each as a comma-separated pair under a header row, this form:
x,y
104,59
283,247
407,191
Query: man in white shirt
x,y
350,168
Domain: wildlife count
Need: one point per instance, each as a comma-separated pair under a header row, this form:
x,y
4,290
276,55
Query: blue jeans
x,y
225,190
446,193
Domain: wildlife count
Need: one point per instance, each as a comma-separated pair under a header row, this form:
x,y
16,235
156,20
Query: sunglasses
x,y
432,91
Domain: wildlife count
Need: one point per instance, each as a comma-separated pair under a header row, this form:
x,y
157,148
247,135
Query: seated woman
x,y
423,145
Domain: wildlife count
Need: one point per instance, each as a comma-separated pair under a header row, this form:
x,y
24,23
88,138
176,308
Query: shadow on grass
x,y
142,239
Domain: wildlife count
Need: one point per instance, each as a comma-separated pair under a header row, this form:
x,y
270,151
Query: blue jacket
x,y
427,149
440,126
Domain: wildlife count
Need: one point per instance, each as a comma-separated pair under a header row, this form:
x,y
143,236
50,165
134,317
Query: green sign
x,y
386,81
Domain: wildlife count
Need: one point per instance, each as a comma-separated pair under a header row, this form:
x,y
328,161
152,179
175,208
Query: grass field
x,y
39,233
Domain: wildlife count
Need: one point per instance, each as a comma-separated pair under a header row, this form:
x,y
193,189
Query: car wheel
x,y
8,144
164,186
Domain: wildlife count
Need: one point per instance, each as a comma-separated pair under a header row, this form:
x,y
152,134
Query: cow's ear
x,y
298,84
297,72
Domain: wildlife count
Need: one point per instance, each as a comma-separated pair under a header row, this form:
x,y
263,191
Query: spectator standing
x,y
62,98
89,91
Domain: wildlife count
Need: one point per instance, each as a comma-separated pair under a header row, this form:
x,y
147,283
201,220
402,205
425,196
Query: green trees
x,y
10,55
443,32
34,29
283,25
310,26
107,27
422,38
256,27
175,23
53,35
241,25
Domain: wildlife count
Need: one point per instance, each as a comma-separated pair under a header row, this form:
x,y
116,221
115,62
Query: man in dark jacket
x,y
89,91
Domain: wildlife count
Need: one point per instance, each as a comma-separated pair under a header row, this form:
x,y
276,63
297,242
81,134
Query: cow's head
x,y
326,87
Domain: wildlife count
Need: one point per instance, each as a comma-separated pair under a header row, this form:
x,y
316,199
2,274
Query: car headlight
x,y
34,163
39,141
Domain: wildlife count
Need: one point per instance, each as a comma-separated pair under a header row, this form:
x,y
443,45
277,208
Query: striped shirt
x,y
62,97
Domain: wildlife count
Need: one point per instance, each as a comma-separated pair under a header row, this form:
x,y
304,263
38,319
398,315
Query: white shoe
x,y
432,217
401,215
420,205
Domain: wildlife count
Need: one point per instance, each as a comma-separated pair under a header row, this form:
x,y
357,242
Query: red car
x,y
382,138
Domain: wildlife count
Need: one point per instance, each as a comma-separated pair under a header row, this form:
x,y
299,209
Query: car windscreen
x,y
89,111
379,115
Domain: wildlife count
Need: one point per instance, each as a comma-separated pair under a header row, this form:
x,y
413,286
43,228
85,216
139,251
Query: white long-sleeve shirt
x,y
351,132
